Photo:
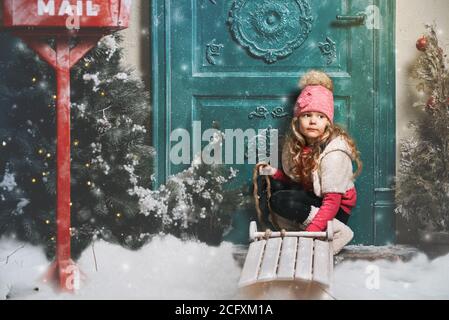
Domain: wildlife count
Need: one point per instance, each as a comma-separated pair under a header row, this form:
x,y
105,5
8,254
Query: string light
x,y
41,151
87,64
34,79
118,215
48,155
87,165
33,180
103,93
4,143
47,221
71,203
55,96
76,142
89,183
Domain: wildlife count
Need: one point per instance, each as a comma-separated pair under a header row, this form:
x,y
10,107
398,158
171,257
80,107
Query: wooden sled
x,y
289,265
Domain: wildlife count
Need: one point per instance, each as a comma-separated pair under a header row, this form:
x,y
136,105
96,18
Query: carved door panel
x,y
235,64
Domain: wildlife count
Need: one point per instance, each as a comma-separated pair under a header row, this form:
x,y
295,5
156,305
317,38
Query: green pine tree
x,y
109,117
111,168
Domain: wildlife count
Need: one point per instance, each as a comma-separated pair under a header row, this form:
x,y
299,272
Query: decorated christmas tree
x,y
423,179
111,164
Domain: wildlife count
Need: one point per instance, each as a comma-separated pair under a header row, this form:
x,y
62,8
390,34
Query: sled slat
x,y
252,263
286,270
321,263
270,260
304,259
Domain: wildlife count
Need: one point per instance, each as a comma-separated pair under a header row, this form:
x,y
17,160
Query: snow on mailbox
x,y
88,21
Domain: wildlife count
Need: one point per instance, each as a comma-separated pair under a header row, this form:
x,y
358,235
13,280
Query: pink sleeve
x,y
281,176
328,211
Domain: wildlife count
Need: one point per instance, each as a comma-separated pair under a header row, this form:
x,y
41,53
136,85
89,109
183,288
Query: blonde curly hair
x,y
315,78
305,164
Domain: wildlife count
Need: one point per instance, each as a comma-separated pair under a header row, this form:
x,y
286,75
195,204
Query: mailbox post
x,y
87,21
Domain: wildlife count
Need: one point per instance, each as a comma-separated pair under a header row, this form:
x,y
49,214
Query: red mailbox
x,y
89,21
55,14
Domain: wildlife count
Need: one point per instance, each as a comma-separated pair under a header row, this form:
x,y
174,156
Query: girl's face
x,y
312,125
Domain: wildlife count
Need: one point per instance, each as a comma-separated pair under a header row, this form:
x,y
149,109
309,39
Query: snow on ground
x,y
419,278
168,268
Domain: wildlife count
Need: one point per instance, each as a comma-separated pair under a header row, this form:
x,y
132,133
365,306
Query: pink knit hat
x,y
315,98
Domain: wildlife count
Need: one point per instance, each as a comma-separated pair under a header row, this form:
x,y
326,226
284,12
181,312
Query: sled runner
x,y
301,259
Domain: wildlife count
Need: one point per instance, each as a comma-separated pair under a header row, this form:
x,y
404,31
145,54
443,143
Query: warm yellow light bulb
x,y
89,183
118,215
41,151
47,221
34,79
33,180
48,155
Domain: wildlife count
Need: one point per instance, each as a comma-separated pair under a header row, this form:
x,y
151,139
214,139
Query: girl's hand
x,y
267,170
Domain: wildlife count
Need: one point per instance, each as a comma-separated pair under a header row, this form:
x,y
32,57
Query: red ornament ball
x,y
430,104
422,43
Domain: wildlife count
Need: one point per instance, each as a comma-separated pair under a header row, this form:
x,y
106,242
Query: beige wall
x,y
137,40
412,15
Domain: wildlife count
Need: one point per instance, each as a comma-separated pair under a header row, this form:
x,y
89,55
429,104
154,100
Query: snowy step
x,y
402,253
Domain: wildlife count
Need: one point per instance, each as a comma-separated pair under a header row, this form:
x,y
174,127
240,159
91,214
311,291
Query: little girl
x,y
316,182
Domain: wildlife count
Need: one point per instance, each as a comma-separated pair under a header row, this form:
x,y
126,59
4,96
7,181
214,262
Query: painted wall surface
x,y
137,40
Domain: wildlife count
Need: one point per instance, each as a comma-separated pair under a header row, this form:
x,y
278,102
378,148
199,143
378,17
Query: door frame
x,y
384,46
385,125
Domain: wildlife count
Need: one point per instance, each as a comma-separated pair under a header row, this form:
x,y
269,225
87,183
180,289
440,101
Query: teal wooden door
x,y
235,64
